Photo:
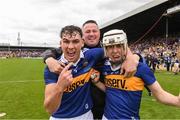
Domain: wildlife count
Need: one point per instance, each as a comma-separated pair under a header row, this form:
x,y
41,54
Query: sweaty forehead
x,y
70,35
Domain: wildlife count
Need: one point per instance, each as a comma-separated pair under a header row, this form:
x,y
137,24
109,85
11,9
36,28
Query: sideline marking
x,y
148,98
2,114
20,81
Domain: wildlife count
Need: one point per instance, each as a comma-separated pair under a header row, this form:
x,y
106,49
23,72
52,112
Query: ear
x,y
83,37
60,43
82,43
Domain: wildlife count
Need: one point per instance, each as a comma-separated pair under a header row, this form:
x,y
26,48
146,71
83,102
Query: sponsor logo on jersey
x,y
119,82
79,81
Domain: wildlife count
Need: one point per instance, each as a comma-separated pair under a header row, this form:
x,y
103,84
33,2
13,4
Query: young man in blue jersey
x,y
68,95
123,95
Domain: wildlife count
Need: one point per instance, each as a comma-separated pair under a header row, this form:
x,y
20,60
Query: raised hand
x,y
65,78
129,66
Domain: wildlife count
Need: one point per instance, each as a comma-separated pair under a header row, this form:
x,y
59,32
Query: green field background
x,y
22,92
22,89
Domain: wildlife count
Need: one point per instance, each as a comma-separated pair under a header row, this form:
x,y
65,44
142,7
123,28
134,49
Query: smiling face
x,y
71,43
91,34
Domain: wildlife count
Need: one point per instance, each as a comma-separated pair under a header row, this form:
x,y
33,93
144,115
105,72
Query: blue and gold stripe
x,y
119,82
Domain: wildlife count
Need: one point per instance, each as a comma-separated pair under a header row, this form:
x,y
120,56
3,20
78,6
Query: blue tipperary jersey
x,y
76,98
123,95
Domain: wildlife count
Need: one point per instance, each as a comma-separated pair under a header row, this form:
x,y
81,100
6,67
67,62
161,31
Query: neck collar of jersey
x,y
113,68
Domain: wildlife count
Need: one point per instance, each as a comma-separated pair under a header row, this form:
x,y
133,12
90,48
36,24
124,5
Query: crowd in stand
x,y
21,53
159,53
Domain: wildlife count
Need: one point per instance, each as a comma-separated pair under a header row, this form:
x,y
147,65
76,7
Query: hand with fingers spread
x,y
55,65
65,78
129,66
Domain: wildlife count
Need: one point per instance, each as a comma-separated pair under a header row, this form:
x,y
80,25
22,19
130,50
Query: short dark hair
x,y
89,21
70,29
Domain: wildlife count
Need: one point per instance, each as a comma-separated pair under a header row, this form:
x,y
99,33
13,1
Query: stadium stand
x,y
149,20
21,51
153,31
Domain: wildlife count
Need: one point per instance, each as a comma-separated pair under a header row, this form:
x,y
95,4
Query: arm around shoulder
x,y
130,64
51,53
53,64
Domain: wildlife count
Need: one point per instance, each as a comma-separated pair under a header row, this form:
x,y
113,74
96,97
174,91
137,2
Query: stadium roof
x,y
147,20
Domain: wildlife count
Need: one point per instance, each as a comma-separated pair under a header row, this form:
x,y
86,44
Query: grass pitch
x,y
22,92
151,109
22,89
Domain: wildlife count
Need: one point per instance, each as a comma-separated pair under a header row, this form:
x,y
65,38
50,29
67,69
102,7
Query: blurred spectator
x,y
159,52
21,53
